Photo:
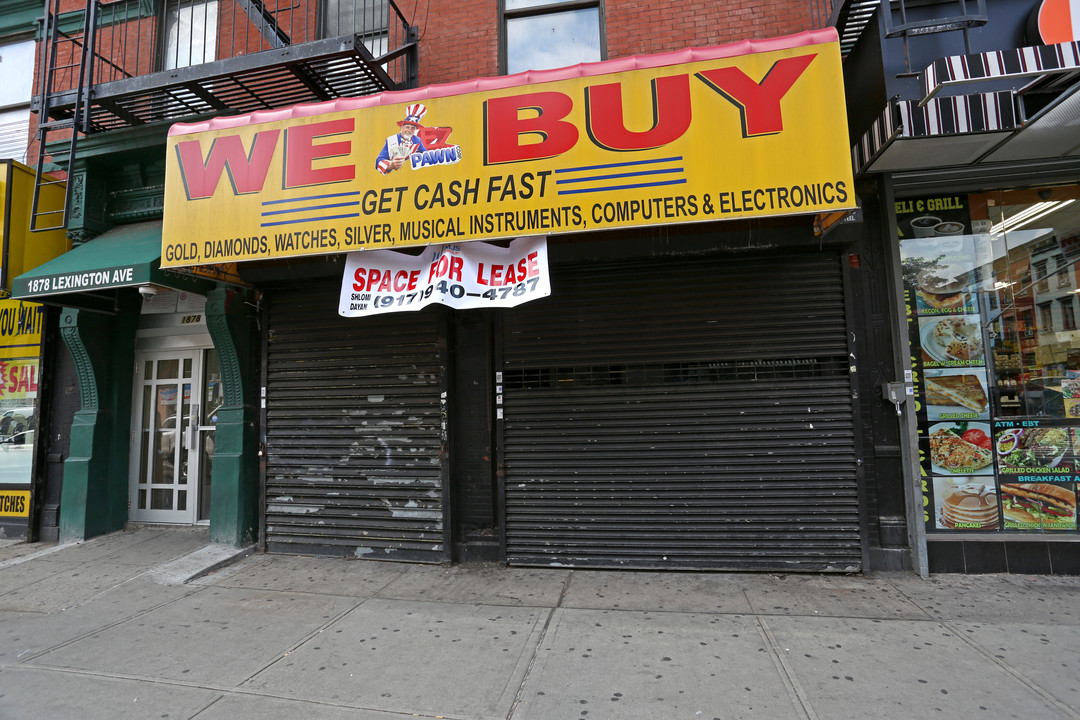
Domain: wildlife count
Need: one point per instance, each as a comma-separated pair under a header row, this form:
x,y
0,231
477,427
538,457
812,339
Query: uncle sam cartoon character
x,y
399,146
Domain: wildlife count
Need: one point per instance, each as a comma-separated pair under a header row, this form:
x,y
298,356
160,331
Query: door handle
x,y
192,428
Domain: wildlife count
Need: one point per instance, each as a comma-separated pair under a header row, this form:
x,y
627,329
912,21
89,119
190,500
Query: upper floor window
x,y
539,34
1068,312
1063,268
17,67
1040,276
190,33
1046,317
367,18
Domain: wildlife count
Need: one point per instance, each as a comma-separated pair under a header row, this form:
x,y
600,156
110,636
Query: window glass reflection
x,y
1030,253
991,289
214,394
370,20
541,42
190,33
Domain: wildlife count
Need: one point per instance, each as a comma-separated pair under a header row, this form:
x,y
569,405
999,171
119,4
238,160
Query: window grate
x,y
674,373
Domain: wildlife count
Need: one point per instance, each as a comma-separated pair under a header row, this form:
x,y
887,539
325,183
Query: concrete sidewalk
x,y
110,629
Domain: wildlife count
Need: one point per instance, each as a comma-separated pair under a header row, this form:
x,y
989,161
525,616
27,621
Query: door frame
x,y
161,334
184,438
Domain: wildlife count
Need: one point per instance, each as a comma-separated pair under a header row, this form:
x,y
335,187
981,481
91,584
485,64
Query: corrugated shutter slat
x,y
353,432
682,414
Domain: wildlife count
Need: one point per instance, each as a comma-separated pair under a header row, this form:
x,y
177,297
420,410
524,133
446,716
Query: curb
x,y
196,564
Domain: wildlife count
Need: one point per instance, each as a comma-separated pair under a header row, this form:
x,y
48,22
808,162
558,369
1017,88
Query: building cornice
x,y
19,17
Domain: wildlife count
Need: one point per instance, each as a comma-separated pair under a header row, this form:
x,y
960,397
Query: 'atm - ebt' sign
x,y
683,137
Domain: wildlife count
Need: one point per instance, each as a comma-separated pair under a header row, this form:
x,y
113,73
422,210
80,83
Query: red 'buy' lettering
x,y
759,103
504,127
539,117
604,115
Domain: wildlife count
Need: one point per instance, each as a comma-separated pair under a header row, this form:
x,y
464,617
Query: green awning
x,y
88,276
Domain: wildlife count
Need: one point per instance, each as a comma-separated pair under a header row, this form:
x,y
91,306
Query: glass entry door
x,y
174,411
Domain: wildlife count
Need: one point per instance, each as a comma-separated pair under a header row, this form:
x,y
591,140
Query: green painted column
x,y
94,497
234,479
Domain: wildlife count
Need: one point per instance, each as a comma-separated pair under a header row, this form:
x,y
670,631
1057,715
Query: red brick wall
x,y
459,39
636,27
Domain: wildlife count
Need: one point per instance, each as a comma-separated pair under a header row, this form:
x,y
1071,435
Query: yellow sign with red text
x,y
20,329
14,503
18,379
749,130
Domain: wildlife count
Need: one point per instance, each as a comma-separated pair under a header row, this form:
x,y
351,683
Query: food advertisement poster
x,y
980,472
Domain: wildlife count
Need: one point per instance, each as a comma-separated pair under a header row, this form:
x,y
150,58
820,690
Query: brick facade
x,y
459,41
636,27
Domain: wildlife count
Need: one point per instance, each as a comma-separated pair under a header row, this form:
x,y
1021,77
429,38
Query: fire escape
x,y
120,64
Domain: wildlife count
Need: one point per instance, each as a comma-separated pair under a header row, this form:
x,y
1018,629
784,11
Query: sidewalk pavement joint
x,y
1018,676
520,695
35,555
991,657
799,697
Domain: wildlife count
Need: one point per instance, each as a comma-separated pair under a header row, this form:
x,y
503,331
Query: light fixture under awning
x,y
87,276
1054,132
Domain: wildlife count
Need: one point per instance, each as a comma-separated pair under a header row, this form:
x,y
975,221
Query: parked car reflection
x,y
16,444
17,425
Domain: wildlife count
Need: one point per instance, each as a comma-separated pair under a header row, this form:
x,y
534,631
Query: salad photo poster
x,y
980,472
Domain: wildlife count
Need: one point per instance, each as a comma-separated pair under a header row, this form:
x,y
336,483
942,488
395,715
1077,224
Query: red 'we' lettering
x,y
247,169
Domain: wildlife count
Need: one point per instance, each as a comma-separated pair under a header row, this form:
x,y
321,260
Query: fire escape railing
x,y
820,10
125,63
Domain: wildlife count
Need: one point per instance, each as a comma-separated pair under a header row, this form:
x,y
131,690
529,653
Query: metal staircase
x,y
80,50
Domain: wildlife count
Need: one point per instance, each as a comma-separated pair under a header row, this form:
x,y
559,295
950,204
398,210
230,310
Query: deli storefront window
x,y
992,289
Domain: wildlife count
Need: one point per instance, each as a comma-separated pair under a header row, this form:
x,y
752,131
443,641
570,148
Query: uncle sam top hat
x,y
413,115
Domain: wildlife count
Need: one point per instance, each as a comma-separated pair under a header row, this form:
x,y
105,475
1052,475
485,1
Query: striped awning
x,y
1016,63
965,129
968,127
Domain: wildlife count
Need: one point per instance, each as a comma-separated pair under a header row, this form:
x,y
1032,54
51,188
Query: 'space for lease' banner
x,y
746,130
476,275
